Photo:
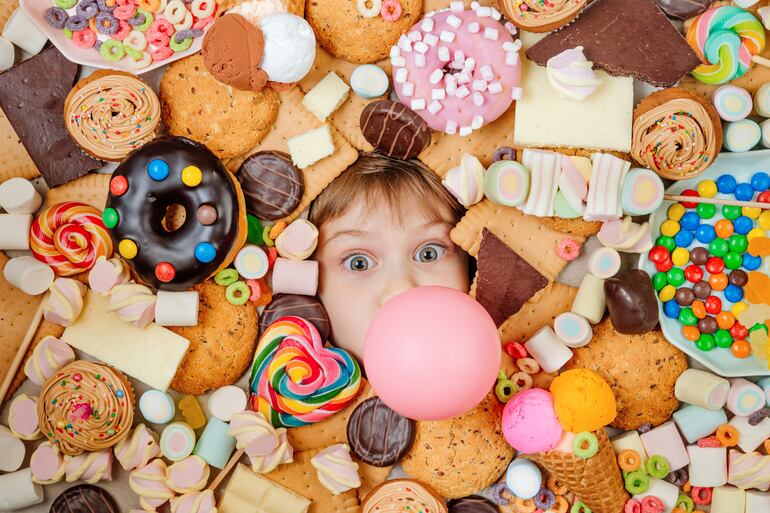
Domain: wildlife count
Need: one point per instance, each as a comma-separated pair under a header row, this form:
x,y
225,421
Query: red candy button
x,y
664,266
659,254
715,265
739,331
118,185
713,305
689,192
693,273
165,272
764,197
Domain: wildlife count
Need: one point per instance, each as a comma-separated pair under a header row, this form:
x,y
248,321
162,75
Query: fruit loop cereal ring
x,y
202,8
237,293
524,506
498,492
561,505
112,50
369,12
657,466
504,153
727,435
528,365
556,486
544,499
149,5
637,482
226,276
56,17
186,22
84,38
725,39
123,31
758,416
141,21
579,507
685,502
295,381
567,249
75,23
124,12
179,46
391,10
522,380
701,495
175,11
255,288
160,26
515,350
142,62
678,477
585,445
135,40
629,460
632,506
709,442
162,53
69,237
106,5
505,388
87,9
652,504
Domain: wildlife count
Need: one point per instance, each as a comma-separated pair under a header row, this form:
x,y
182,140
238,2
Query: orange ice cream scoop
x,y
583,401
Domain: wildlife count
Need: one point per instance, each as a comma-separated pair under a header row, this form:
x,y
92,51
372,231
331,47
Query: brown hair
x,y
374,178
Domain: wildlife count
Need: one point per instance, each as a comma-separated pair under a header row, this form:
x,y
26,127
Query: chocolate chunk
x,y
32,96
699,256
394,129
624,38
472,504
377,435
702,290
272,184
707,325
505,280
684,296
683,9
307,307
738,278
631,302
84,498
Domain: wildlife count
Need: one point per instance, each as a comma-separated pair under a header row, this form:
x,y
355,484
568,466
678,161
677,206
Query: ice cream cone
x,y
597,481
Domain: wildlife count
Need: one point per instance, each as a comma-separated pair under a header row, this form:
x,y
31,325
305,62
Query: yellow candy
x,y
667,293
764,220
755,233
127,249
738,308
669,228
707,189
676,211
191,176
680,257
751,212
758,341
192,412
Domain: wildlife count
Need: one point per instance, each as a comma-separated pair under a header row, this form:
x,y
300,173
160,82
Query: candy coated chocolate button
x,y
738,278
205,252
378,435
127,249
394,129
702,290
110,217
684,296
699,256
84,498
191,176
206,215
707,325
157,169
118,185
165,272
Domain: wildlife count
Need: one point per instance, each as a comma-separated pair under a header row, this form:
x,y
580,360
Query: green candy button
x,y
110,218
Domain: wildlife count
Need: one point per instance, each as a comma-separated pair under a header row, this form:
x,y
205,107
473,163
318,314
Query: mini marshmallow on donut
x,y
458,69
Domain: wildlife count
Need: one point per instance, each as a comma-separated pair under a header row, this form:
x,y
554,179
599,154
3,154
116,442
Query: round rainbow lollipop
x,y
296,381
727,40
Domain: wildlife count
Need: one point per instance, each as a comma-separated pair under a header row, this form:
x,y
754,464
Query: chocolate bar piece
x,y
32,96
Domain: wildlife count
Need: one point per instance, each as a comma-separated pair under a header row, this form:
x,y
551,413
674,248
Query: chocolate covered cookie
x,y
472,504
84,498
272,185
378,435
683,9
394,129
307,307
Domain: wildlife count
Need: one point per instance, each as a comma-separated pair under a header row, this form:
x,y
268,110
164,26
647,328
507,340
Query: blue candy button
x,y
743,225
733,293
744,192
760,181
705,233
157,169
689,221
205,252
726,184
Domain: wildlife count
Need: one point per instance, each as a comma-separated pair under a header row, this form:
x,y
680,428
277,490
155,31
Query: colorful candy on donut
x,y
161,174
458,69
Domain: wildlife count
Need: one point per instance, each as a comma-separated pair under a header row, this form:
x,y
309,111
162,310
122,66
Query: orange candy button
x,y
718,281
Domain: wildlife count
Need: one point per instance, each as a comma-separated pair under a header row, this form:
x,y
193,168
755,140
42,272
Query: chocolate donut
x,y
166,172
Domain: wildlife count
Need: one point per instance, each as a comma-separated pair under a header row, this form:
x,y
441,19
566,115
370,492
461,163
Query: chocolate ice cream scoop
x,y
232,53
631,302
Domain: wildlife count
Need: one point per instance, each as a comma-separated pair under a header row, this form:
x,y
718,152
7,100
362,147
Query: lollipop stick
x,y
26,341
225,471
717,201
762,61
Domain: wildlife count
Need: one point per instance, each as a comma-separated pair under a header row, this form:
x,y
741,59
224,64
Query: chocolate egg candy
x,y
631,302
684,296
738,277
307,307
699,256
394,129
378,435
702,290
272,185
84,498
472,504
683,9
707,325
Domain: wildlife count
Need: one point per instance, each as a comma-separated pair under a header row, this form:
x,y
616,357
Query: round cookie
x,y
472,504
84,497
235,121
221,345
642,379
402,495
307,307
378,435
272,185
460,456
348,35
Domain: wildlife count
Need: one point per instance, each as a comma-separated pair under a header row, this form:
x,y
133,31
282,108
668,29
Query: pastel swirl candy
x,y
337,471
65,302
50,355
149,483
726,39
47,464
295,381
195,502
90,467
69,237
540,15
188,475
133,303
107,273
266,446
466,181
572,75
137,449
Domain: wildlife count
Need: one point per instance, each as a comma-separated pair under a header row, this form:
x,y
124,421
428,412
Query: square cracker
x,y
6,9
540,311
91,189
14,159
301,477
293,119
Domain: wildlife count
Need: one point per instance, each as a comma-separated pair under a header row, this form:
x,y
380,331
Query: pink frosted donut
x,y
458,69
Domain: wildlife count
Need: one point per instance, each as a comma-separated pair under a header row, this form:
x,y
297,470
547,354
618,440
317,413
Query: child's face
x,y
367,256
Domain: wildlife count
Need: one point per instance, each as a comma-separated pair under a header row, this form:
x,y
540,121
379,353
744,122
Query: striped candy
x,y
295,381
69,237
725,39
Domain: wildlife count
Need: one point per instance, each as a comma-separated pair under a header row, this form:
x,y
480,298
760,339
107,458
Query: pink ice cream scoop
x,y
529,422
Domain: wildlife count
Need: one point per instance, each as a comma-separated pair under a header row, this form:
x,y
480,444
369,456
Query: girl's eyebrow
x,y
361,234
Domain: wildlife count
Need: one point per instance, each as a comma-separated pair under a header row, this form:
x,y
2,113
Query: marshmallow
x,y
523,478
14,231
7,54
18,195
369,81
708,465
762,98
298,240
295,277
176,308
177,441
745,4
11,451
251,262
745,397
765,126
663,490
695,422
466,181
215,446
227,401
733,103
751,470
764,383
545,168
728,499
702,389
757,502
18,491
642,192
22,31
590,301
607,175
30,275
665,441
157,407
630,440
573,330
548,350
604,263
741,136
750,437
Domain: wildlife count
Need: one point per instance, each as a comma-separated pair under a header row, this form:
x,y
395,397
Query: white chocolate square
x,y
249,492
308,148
327,96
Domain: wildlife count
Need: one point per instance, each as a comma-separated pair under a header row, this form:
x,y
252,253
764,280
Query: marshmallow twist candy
x,y
69,237
295,381
725,39
266,446
149,483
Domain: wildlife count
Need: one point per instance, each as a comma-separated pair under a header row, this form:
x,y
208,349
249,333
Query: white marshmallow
x,y
430,39
418,104
477,122
590,301
176,308
478,100
451,127
728,499
19,196
421,47
434,107
11,451
7,54
226,402
473,27
491,34
664,491
30,275
427,24
604,263
14,231
573,329
438,94
757,502
708,465
465,130
414,36
407,90
453,21
443,54
295,277
548,350
436,76
750,437
630,440
447,36
702,389
666,441
22,31
516,93
419,60
495,88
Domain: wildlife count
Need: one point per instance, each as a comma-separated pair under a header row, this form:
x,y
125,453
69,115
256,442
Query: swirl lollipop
x,y
727,40
69,237
295,381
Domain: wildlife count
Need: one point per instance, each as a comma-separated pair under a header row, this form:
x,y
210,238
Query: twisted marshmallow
x,y
49,355
137,449
266,446
47,464
188,475
195,502
133,303
149,483
90,467
336,469
106,274
65,302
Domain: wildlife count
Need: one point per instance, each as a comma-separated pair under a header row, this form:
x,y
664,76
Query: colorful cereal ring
x,y
84,38
585,445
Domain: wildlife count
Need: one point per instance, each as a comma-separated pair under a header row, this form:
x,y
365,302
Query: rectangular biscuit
x,y
91,189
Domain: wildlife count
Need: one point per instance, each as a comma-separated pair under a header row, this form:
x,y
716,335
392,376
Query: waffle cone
x,y
597,481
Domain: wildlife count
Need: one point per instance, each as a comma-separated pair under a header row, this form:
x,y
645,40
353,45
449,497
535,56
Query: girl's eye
x,y
358,263
429,253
